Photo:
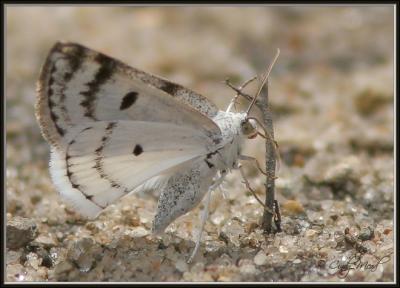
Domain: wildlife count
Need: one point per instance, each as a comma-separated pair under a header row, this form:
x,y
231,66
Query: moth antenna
x,y
264,80
238,91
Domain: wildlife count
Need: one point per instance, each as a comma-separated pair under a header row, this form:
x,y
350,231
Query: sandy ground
x,y
332,97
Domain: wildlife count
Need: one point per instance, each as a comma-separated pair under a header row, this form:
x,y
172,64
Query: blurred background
x,y
331,93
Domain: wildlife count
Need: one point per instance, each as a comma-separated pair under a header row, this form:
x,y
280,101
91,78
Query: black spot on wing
x,y
137,150
128,100
105,72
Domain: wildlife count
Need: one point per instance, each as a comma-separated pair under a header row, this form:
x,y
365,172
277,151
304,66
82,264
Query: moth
x,y
115,130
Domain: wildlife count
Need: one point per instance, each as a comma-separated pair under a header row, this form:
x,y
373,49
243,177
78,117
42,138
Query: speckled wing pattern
x,y
183,191
112,127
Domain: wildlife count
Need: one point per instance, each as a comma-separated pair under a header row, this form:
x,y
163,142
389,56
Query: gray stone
x,y
20,231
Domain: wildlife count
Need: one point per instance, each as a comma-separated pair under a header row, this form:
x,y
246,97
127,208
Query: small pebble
x,y
20,231
181,265
260,258
310,233
292,207
139,232
367,233
296,261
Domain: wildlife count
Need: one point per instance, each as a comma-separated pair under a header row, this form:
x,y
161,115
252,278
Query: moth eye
x,y
249,129
246,127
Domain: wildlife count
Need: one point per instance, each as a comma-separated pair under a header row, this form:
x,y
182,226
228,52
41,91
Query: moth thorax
x,y
249,128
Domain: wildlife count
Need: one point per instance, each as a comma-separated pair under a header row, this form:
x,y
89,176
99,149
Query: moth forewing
x,y
78,85
93,110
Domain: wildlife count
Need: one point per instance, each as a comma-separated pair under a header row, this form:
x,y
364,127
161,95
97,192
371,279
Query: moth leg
x,y
223,191
246,182
276,209
267,136
220,185
204,215
238,92
255,161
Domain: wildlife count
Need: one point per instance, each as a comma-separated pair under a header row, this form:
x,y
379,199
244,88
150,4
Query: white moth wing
x,y
78,85
106,160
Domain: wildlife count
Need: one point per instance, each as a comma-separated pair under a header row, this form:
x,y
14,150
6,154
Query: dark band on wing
x,y
105,72
73,55
51,103
198,102
70,175
170,88
99,163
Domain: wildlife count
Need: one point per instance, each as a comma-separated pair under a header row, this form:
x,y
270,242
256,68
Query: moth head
x,y
248,128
